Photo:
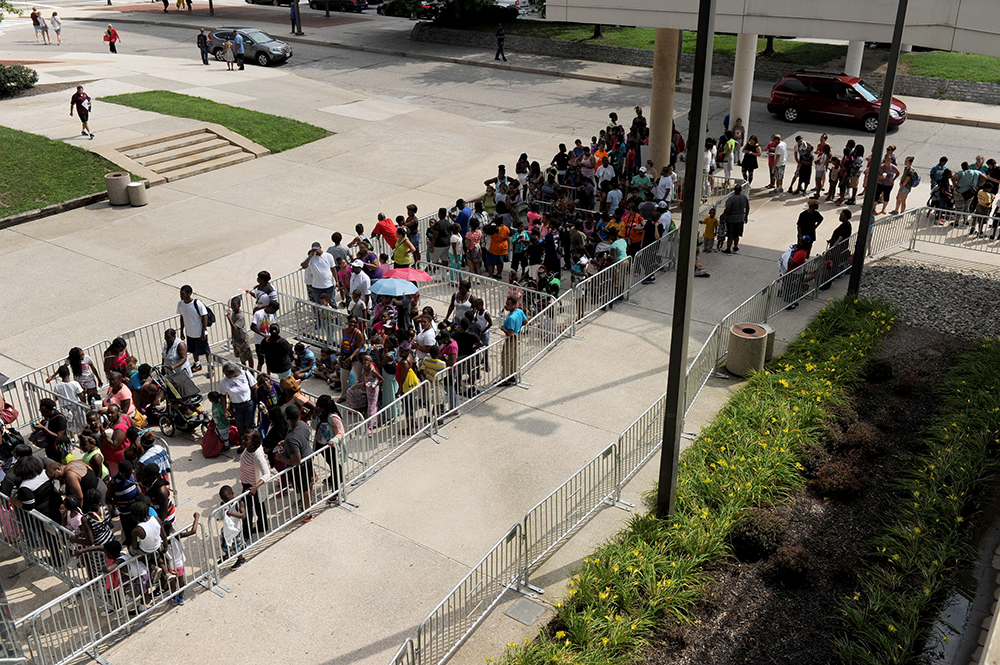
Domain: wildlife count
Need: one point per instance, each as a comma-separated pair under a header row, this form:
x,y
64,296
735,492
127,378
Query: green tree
x,y
7,8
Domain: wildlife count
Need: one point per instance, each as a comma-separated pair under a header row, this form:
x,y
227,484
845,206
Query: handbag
x,y
410,381
9,414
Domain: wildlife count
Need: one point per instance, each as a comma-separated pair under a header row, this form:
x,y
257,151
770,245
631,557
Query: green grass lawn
x,y
805,54
956,66
271,131
36,172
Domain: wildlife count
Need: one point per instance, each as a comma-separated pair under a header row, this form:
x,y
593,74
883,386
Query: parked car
x,y
340,5
273,3
831,97
258,46
426,9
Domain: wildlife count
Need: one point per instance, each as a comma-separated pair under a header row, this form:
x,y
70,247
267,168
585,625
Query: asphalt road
x,y
566,106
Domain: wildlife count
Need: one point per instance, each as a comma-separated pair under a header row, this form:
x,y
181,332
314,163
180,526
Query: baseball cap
x,y
583,260
358,263
316,245
807,240
662,205
642,169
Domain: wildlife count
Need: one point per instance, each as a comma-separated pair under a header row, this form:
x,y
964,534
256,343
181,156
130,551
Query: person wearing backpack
x,y
203,46
907,182
195,322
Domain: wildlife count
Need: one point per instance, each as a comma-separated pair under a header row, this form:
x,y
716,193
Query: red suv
x,y
831,97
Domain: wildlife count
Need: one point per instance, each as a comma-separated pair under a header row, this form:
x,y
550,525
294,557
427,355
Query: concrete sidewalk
x,y
390,36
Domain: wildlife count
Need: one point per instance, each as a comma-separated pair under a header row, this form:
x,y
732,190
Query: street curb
x,y
947,120
55,208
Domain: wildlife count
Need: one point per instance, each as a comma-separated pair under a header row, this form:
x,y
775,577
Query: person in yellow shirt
x,y
711,223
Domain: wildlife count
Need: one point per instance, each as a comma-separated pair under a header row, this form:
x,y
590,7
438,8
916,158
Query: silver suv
x,y
258,46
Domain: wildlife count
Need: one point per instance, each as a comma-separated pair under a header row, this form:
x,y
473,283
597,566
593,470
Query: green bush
x,y
790,565
14,78
466,13
837,480
757,535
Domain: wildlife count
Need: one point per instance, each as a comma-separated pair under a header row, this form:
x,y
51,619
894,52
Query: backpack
x,y
914,178
784,259
211,315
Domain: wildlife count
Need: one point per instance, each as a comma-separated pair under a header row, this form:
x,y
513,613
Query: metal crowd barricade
x,y
291,285
700,369
368,445
284,499
956,229
310,322
542,331
469,378
493,292
405,655
40,541
559,514
602,289
75,412
112,604
460,613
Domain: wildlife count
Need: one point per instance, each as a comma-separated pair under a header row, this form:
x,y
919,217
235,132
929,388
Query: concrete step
x,y
169,155
226,150
170,143
204,167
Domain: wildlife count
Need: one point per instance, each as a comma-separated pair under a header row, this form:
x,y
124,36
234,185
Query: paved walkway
x,y
350,586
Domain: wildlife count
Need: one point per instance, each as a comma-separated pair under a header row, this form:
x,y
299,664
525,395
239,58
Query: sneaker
x,y
726,251
649,280
196,367
306,518
736,249
84,133
91,136
792,306
239,562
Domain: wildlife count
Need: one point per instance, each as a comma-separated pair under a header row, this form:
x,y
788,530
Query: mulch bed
x,y
750,616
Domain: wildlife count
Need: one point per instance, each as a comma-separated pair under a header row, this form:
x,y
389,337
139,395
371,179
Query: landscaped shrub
x,y
912,562
16,77
757,535
654,572
862,437
790,565
813,456
837,480
904,383
466,13
843,413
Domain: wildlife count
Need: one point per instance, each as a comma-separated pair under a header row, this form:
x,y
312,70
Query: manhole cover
x,y
526,611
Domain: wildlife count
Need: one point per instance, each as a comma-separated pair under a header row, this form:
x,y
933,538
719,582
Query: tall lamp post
x,y
878,149
673,413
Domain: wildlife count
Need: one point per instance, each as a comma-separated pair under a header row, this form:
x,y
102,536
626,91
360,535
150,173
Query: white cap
x,y
642,169
358,263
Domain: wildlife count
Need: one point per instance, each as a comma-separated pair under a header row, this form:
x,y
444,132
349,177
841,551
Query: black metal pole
x,y
211,8
328,8
878,149
298,19
673,413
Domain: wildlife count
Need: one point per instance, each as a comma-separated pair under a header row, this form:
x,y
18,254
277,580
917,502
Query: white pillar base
x,y
855,53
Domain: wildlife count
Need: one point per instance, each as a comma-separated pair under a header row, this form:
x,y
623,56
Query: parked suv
x,y
258,46
340,5
831,97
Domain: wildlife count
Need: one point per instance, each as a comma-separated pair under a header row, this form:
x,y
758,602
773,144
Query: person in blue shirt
x,y
938,169
511,328
238,44
619,246
463,216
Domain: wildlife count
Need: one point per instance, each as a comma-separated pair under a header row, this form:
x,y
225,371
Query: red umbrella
x,y
409,274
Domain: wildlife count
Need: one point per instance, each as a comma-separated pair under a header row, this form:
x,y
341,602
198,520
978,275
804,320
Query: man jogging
x,y
81,102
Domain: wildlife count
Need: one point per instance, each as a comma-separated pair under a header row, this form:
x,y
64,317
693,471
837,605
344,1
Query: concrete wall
x,y
970,26
917,86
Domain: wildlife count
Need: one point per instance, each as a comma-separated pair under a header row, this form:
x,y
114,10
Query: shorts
x,y
520,260
178,571
415,241
853,180
84,116
38,29
302,476
283,375
260,353
734,230
882,191
779,172
491,259
233,548
437,254
198,346
904,190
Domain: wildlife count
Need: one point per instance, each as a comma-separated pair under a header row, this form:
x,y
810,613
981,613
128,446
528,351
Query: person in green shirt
x,y
643,183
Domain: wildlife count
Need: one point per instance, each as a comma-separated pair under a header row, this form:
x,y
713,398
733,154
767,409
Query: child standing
x,y
232,527
173,557
122,491
711,223
984,206
372,378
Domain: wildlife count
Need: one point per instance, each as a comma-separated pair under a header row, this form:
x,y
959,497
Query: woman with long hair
x,y
84,371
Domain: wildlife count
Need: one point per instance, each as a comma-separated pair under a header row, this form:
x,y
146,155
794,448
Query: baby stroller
x,y
182,410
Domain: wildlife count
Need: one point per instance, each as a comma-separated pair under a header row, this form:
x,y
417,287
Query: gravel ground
x,y
962,303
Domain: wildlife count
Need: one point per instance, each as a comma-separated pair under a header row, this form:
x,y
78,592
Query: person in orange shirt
x,y
633,223
600,153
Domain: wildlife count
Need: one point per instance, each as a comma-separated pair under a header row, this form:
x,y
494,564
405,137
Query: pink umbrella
x,y
409,274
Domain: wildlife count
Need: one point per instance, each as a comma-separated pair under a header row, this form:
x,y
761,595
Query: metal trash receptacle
x,y
117,186
747,348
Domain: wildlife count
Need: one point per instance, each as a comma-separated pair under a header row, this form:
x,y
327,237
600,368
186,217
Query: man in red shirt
x,y
81,102
793,287
386,229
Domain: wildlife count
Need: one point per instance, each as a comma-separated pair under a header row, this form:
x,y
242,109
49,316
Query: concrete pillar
x,y
905,48
855,52
661,111
739,101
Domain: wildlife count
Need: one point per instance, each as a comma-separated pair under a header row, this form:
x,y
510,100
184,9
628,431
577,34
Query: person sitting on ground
x,y
305,362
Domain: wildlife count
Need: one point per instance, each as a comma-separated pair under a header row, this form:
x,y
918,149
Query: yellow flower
x,y
558,605
605,641
560,634
916,529
892,629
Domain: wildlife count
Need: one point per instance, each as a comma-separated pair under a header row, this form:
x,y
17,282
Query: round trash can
x,y
117,184
747,347
137,193
769,353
